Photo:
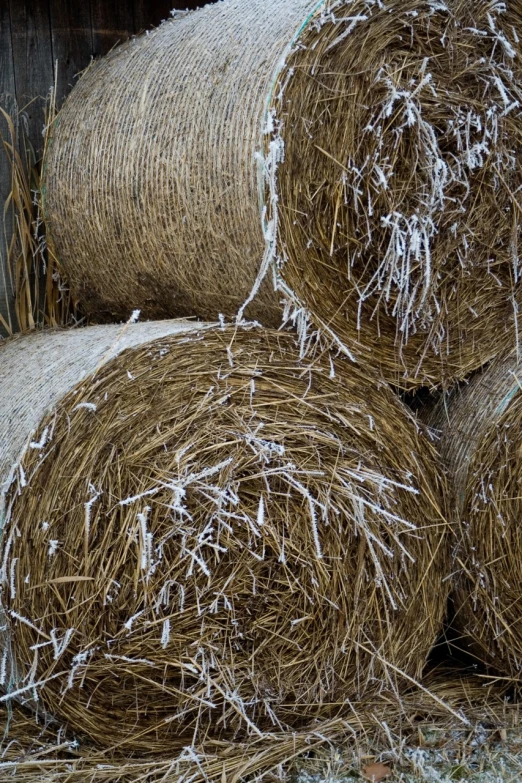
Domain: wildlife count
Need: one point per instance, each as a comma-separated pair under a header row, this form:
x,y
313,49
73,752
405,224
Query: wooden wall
x,y
46,40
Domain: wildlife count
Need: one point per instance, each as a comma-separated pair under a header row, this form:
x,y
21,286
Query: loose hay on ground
x,y
211,537
416,736
371,150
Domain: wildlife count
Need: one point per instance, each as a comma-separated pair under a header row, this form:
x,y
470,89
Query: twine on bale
x,y
481,429
225,540
181,202
379,143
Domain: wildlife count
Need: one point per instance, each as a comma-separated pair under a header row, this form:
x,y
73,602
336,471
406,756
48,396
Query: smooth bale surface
x,y
155,149
224,540
370,151
481,430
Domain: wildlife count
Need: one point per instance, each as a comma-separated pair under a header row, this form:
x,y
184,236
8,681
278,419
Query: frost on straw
x,y
221,561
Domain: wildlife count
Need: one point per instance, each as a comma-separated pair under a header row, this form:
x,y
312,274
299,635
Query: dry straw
x,y
469,712
38,369
32,275
371,150
481,427
213,538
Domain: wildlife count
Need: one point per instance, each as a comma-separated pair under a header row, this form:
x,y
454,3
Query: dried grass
x,y
40,295
481,430
33,751
399,224
378,142
211,538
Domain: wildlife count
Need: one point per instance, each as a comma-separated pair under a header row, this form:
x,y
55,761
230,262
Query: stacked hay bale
x,y
481,429
232,533
366,154
209,536
36,371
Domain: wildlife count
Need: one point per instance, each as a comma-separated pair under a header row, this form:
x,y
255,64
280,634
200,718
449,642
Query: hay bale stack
x,y
481,426
371,150
225,539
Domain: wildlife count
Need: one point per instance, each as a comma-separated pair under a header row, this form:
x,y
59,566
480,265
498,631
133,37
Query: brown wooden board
x,y
7,101
33,62
72,43
150,13
112,23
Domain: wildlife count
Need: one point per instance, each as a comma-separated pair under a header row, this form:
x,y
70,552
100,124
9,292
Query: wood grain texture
x,y
7,100
72,43
112,23
33,62
150,13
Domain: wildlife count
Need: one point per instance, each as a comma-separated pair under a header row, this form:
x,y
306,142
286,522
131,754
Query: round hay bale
x,y
225,539
372,150
481,426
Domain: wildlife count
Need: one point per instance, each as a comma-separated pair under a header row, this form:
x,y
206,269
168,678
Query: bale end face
x,y
216,538
398,227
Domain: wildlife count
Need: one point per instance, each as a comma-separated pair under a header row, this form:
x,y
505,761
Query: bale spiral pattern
x,y
371,149
398,217
36,371
216,537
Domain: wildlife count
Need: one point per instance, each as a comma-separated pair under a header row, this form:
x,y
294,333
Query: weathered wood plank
x,y
72,42
7,102
112,23
150,13
33,62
